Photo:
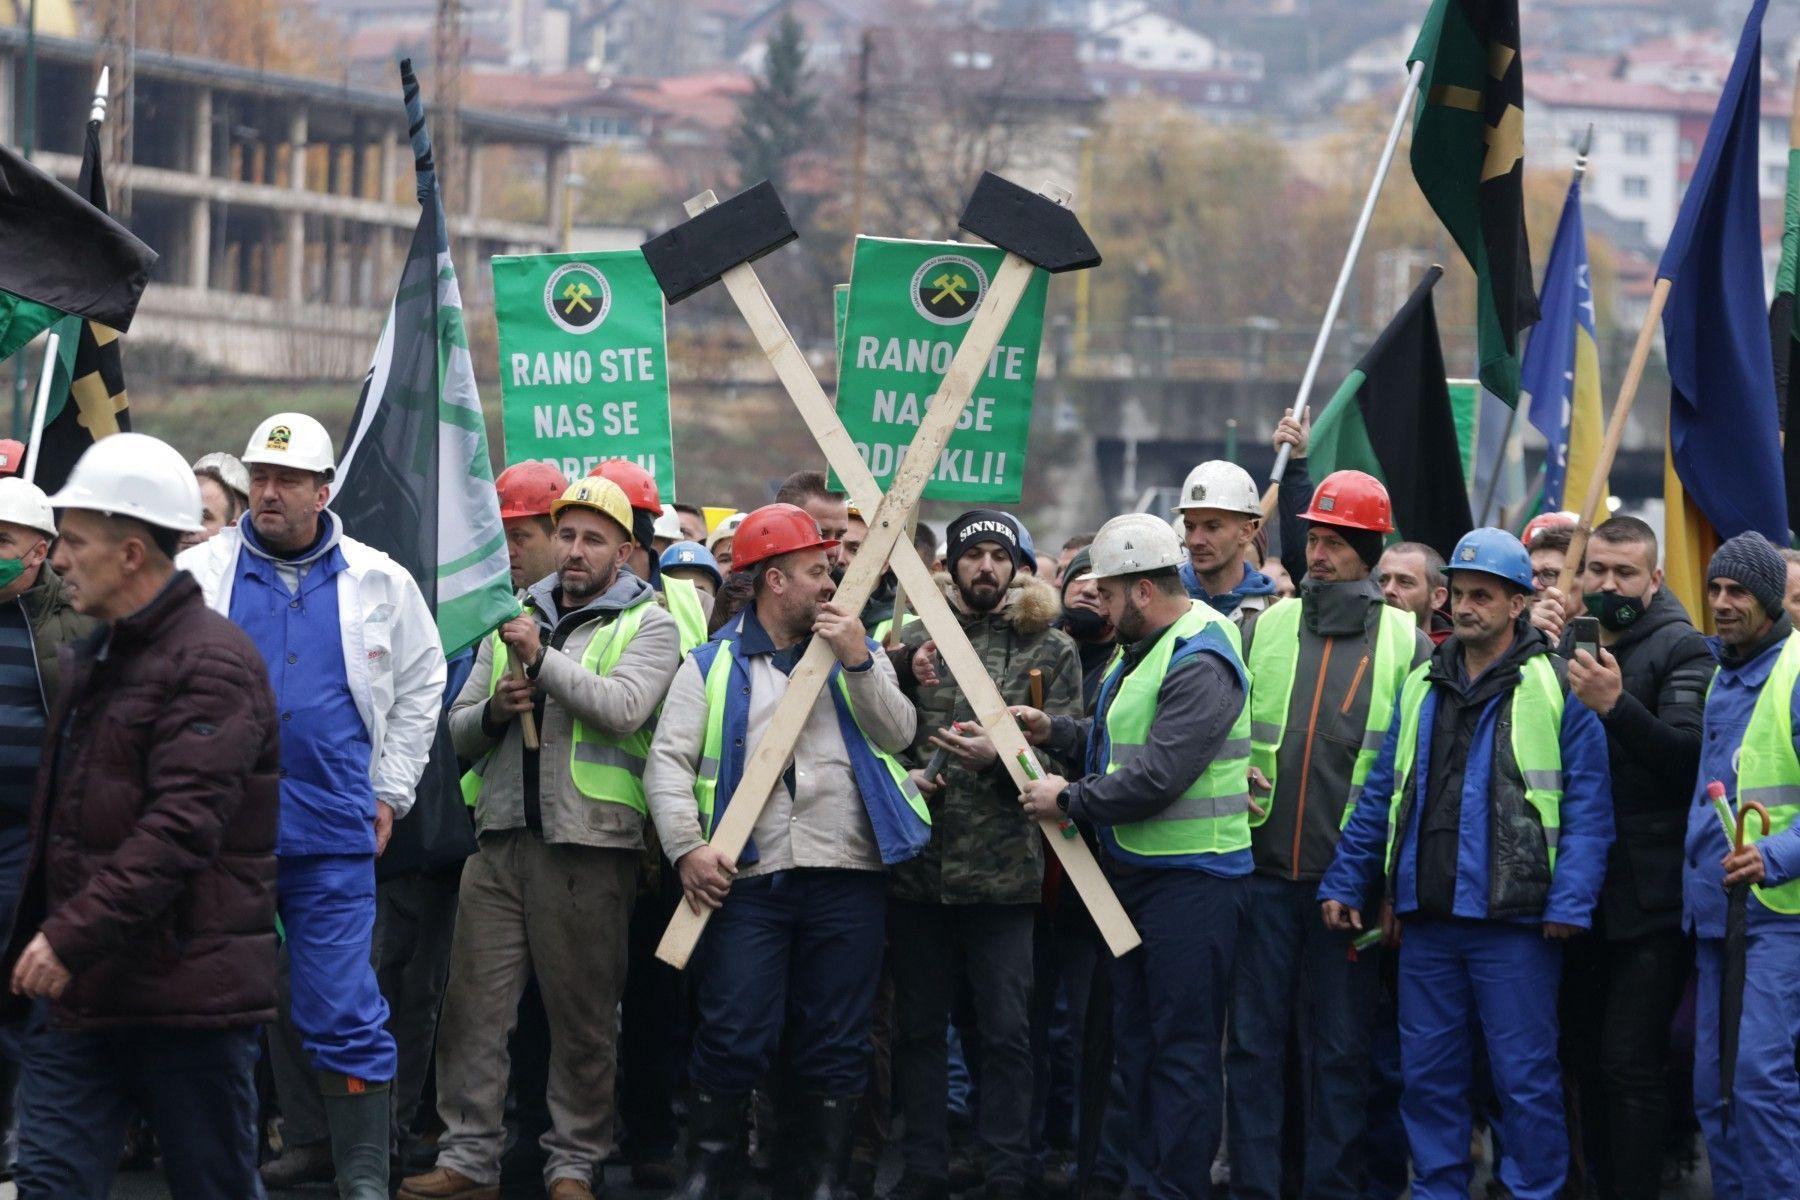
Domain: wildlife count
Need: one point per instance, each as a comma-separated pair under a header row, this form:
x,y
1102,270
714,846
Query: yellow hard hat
x,y
601,495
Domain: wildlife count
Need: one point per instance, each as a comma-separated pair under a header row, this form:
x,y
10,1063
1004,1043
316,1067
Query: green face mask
x,y
10,570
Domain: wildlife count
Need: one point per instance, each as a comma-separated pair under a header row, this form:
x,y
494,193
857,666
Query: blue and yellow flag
x,y
1724,436
1560,377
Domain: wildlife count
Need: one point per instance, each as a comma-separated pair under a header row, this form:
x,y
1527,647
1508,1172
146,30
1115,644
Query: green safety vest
x,y
718,697
880,632
1213,815
1274,660
1769,771
683,601
1537,710
602,767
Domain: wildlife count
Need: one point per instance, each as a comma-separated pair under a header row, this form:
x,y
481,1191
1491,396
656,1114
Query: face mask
x,y
10,570
1615,611
1084,624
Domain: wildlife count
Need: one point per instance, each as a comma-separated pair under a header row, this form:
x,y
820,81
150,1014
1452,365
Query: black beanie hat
x,y
1752,560
981,525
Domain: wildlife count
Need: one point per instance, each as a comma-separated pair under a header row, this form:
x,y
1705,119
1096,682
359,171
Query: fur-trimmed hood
x,y
1030,603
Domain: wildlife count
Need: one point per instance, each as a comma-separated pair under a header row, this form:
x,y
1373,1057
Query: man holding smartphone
x,y
1646,679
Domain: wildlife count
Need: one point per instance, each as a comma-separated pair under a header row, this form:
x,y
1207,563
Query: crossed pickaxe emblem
x,y
718,244
577,296
949,287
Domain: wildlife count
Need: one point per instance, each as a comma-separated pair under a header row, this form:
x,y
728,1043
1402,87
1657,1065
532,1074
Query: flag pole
x,y
51,345
1414,75
1615,433
1512,416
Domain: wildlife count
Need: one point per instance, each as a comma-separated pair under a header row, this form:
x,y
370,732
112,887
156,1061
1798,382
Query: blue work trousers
x,y
327,907
197,1087
798,950
1756,1155
1285,954
1169,1000
1452,974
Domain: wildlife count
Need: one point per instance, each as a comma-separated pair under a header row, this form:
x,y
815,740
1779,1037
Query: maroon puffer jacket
x,y
152,867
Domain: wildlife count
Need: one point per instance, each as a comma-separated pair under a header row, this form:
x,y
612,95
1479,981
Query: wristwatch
x,y
1062,801
537,661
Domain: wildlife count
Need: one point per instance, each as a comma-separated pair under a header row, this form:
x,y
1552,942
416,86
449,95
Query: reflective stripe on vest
x,y
1274,662
1537,710
1212,815
602,767
712,747
1769,771
683,601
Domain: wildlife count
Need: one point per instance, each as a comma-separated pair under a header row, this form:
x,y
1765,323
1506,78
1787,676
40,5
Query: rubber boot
x,y
717,1132
830,1123
357,1112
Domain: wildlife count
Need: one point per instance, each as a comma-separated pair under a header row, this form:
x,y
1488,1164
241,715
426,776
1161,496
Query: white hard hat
x,y
1135,542
229,469
24,503
1222,485
292,440
135,475
725,529
667,524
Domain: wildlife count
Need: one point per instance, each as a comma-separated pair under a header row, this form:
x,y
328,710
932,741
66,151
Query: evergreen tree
x,y
779,118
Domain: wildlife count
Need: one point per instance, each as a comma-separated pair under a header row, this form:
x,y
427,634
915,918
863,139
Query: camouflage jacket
x,y
983,850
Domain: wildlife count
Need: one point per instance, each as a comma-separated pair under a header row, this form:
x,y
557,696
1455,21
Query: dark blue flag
x,y
1723,429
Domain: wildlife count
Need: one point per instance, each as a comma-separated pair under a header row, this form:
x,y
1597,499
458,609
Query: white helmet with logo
x,y
24,503
1222,485
134,475
1133,543
291,440
667,524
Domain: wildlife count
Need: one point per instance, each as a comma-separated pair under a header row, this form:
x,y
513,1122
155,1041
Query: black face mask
x,y
1084,624
1615,611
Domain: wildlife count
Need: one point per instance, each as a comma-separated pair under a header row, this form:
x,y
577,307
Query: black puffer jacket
x,y
1653,742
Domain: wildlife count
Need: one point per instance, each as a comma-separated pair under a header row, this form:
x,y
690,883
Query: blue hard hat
x,y
692,554
1025,545
1493,552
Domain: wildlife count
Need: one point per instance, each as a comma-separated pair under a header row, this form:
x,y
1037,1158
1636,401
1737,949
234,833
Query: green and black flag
x,y
87,396
1392,418
61,256
1784,334
1468,155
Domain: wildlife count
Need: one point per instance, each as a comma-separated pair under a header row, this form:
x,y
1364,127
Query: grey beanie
x,y
1752,560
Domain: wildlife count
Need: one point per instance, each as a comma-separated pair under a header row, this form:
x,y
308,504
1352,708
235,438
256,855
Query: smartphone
x,y
1587,636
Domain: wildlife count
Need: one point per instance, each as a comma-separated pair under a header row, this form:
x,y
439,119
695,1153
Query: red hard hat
x,y
775,529
12,457
1549,520
638,484
528,489
1351,500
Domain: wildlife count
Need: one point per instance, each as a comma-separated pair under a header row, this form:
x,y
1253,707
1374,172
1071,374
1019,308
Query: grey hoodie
x,y
617,703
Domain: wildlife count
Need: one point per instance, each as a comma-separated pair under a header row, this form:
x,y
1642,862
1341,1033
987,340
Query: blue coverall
x,y
1468,966
1758,1157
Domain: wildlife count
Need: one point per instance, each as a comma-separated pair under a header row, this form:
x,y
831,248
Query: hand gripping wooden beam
x,y
888,539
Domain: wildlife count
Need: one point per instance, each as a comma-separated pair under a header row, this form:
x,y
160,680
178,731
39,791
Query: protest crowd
x,y
378,822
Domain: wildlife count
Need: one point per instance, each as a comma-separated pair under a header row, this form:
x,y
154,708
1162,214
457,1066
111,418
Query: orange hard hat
x,y
528,489
776,529
12,456
1351,500
1549,520
638,484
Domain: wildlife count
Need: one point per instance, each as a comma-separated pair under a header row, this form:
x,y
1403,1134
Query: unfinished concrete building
x,y
282,206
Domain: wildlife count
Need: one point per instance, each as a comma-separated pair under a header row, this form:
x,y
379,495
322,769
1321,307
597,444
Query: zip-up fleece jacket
x,y
616,704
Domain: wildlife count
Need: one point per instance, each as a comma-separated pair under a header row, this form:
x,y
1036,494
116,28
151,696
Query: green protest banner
x,y
584,362
909,305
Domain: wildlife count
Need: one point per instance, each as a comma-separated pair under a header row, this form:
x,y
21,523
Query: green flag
x,y
1784,331
1468,156
1392,419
